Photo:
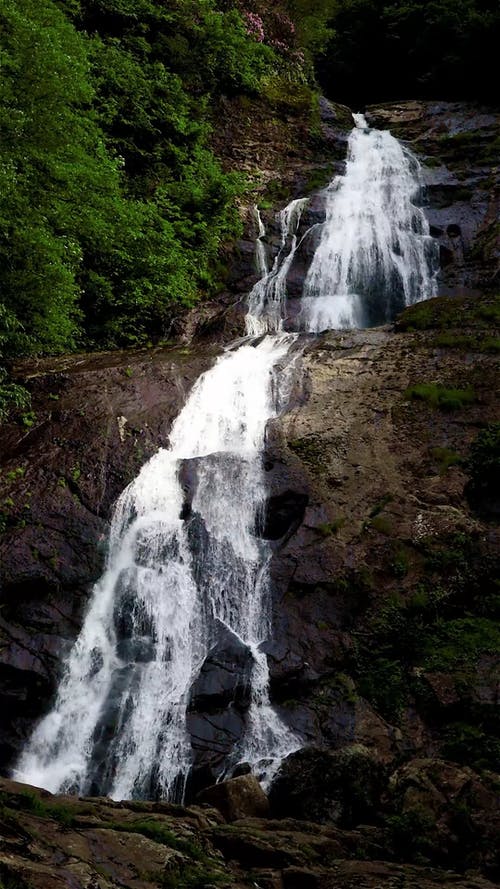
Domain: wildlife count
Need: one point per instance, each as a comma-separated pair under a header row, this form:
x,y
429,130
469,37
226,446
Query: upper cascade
x,y
375,253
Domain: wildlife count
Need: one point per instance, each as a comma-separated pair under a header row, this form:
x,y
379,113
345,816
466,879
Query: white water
x,y
260,248
375,255
118,725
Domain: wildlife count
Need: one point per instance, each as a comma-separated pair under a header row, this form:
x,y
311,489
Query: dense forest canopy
x,y
432,49
113,206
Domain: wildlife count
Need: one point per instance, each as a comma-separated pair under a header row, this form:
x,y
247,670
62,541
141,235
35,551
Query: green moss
x,y
311,451
317,179
400,563
491,344
327,529
290,97
10,880
451,644
445,458
380,506
483,464
471,745
412,835
451,315
30,801
382,524
454,341
193,877
383,683
478,343
442,397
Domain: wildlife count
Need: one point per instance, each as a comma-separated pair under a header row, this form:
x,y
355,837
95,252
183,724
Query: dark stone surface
x,y
343,788
220,697
224,678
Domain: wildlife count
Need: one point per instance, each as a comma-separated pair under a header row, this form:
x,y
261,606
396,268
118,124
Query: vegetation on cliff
x,y
113,206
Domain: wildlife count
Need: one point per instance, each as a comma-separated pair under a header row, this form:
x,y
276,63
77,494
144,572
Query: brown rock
x,y
237,798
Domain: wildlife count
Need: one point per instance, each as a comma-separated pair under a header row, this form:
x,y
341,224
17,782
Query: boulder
x,y
237,798
448,812
342,787
224,678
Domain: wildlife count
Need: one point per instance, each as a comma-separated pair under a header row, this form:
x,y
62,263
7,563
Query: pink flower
x,y
255,26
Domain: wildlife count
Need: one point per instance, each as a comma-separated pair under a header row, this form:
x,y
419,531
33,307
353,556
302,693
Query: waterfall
x,y
177,570
375,255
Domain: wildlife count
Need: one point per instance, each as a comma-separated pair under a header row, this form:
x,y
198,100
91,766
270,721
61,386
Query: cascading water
x,y
375,255
150,624
175,571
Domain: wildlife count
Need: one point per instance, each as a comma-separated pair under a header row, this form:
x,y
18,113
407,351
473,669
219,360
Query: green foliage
x,y
382,524
446,623
29,801
483,464
313,19
400,562
311,451
442,397
113,208
194,872
453,643
380,506
12,395
445,313
471,745
412,835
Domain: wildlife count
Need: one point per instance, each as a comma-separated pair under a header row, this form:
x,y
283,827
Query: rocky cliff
x,y
383,520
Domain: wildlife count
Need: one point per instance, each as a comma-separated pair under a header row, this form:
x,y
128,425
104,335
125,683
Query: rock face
x,y
386,518
342,787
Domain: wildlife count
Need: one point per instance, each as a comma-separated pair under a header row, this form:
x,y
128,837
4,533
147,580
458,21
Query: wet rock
x,y
220,697
241,797
224,677
283,514
61,478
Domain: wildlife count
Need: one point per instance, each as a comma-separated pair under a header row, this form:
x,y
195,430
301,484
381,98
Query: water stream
x,y
174,572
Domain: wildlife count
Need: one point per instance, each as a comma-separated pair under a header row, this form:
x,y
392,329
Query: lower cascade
x,y
187,559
